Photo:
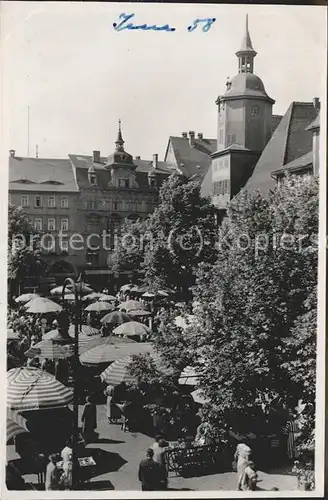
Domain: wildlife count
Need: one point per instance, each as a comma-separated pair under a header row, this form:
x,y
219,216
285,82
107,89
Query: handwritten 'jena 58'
x,y
204,24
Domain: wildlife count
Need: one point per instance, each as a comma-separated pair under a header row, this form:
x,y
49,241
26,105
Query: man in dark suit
x,y
151,474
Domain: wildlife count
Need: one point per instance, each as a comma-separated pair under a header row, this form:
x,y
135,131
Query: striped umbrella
x,y
149,295
100,306
118,372
132,305
107,298
26,297
16,424
107,353
84,329
132,328
85,341
188,376
115,318
42,305
34,389
46,349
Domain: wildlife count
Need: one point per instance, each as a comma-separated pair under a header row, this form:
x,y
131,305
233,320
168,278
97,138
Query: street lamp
x,y
76,288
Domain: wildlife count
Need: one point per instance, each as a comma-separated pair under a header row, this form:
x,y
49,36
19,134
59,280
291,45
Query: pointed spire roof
x,y
246,45
119,141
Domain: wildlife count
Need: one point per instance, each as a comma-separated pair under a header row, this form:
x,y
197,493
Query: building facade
x,y
79,204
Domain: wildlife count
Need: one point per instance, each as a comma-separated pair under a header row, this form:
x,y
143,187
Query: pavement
x,y
119,454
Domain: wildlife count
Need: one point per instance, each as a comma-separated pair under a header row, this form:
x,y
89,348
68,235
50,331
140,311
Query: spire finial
x,y
119,141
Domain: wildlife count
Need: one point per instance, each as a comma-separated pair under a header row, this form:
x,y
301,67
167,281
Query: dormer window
x,y
93,180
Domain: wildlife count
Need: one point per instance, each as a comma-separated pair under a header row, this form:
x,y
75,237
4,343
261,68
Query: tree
x,y
24,254
254,301
183,233
128,250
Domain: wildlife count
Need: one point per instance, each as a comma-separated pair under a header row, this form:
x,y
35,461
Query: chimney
x,y
316,103
12,153
185,135
200,135
155,160
96,156
138,158
191,138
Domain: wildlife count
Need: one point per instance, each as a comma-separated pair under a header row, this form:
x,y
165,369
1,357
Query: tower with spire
x,y
244,125
121,165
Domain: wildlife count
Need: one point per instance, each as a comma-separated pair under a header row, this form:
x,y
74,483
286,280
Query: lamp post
x,y
76,288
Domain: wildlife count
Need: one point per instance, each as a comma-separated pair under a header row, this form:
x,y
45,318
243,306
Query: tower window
x,y
221,136
93,180
123,183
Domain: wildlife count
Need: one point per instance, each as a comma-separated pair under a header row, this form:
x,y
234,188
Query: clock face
x,y
255,110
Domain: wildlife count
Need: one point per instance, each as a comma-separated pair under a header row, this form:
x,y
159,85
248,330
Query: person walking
x,y
242,457
150,473
89,420
52,474
109,392
159,457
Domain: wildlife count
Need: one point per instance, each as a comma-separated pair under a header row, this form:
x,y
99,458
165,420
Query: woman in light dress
x,y
242,457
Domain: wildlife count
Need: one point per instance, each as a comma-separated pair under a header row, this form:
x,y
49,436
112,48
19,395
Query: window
x,y
38,201
51,224
93,179
221,187
231,139
116,205
24,200
64,202
91,204
64,225
93,225
51,202
221,136
123,183
38,224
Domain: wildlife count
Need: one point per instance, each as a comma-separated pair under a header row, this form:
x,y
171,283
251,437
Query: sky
x,y
79,76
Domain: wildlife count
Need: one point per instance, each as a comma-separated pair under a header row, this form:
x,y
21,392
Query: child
x,y
251,476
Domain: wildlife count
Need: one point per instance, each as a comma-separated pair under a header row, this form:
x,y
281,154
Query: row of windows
x,y
38,201
51,223
221,187
133,206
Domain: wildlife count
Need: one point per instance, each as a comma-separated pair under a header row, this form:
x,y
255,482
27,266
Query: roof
x,y
82,163
276,119
193,159
41,174
315,125
289,141
232,147
206,186
297,164
246,84
246,45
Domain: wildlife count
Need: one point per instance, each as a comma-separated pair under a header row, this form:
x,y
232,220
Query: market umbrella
x,y
42,305
184,321
148,295
162,293
11,335
132,328
107,298
139,313
119,372
126,288
137,290
115,318
99,307
199,397
83,329
107,353
26,297
132,305
92,296
188,376
85,340
58,290
46,349
34,389
69,296
13,429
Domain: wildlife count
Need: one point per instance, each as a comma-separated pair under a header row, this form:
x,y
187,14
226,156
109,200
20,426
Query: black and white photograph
x,y
163,253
